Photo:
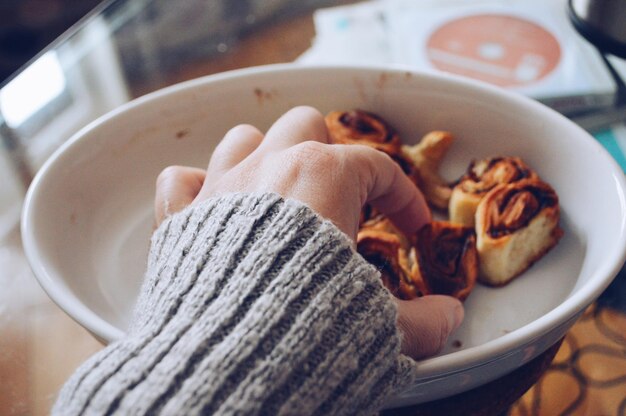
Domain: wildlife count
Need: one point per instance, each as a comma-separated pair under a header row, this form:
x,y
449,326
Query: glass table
x,y
127,48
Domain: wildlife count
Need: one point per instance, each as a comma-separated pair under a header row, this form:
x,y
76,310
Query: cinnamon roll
x,y
480,178
386,248
440,259
362,127
516,224
446,259
427,156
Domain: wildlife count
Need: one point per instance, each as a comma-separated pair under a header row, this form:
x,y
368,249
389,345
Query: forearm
x,y
250,305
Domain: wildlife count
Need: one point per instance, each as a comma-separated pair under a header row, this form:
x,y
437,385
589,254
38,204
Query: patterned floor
x,y
588,374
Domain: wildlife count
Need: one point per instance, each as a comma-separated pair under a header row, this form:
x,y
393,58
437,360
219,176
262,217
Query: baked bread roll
x,y
385,247
362,127
442,259
516,224
480,178
427,156
446,259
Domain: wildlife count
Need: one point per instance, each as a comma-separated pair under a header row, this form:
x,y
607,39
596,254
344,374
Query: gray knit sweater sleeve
x,y
251,305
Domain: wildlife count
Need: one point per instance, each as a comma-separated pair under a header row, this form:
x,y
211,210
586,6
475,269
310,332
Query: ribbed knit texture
x,y
251,305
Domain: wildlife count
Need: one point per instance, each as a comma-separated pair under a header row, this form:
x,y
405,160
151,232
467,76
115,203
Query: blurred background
x,y
28,26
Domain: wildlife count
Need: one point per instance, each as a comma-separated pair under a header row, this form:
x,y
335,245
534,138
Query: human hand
x,y
295,160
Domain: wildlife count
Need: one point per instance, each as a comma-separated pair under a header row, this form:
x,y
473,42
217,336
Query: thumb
x,y
427,322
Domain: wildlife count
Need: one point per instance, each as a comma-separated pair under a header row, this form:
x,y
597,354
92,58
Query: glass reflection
x,y
32,90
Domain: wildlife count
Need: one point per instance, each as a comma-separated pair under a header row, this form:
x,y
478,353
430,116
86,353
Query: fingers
x,y
296,126
427,322
294,159
237,144
387,188
176,187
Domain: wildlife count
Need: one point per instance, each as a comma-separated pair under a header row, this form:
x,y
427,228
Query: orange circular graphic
x,y
503,50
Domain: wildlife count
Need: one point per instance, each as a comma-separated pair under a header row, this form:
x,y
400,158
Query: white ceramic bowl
x,y
88,214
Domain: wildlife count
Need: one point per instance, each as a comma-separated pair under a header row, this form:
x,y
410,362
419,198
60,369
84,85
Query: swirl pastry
x,y
426,157
516,224
446,259
442,260
361,127
480,178
385,247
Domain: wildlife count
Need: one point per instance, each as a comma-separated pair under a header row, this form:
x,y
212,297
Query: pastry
x,y
442,259
362,127
446,259
503,218
385,247
426,156
480,178
516,224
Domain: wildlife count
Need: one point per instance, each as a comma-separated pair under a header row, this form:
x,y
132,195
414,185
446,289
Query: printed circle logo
x,y
503,50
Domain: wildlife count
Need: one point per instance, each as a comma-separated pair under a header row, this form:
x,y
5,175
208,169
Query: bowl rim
x,y
429,367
